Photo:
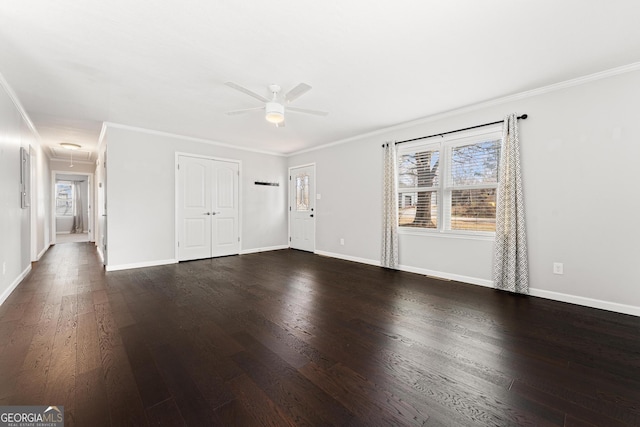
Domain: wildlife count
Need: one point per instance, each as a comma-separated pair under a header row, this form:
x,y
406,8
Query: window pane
x,y
418,209
302,192
64,199
475,163
473,210
419,169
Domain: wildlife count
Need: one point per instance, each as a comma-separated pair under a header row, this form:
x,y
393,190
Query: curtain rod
x,y
523,117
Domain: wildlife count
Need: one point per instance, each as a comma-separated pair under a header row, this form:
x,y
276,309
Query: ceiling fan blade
x,y
244,110
297,92
247,91
307,111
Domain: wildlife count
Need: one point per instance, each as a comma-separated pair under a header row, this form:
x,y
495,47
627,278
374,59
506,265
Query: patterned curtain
x,y
389,258
511,269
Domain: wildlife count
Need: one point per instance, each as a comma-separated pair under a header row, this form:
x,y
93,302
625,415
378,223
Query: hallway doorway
x,y
72,206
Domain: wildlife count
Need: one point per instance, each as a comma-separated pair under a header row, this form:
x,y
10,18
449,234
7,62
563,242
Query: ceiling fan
x,y
275,107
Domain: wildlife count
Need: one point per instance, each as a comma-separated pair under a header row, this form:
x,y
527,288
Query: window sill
x,y
448,234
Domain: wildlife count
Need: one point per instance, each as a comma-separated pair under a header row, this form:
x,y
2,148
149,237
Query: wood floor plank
x,y
91,399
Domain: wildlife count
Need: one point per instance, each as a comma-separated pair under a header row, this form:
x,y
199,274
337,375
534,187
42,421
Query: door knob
x,y
207,213
215,213
311,215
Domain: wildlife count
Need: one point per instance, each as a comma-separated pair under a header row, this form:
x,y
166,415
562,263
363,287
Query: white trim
x,y
349,258
485,104
140,264
586,302
78,162
103,131
45,249
534,292
90,203
265,249
537,293
447,276
184,137
16,102
100,254
15,284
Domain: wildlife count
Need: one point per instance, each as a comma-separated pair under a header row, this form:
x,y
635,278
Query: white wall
x,y
15,222
580,147
141,195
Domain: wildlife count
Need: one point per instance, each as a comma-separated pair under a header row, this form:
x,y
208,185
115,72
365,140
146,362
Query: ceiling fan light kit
x,y
274,109
274,112
70,146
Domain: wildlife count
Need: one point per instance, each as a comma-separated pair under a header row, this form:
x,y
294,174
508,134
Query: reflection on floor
x,y
72,238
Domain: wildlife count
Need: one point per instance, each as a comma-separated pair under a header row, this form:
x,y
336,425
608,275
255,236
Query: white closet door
x,y
208,208
225,218
194,208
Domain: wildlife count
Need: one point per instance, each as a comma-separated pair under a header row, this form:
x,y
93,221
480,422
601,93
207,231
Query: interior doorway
x,y
72,207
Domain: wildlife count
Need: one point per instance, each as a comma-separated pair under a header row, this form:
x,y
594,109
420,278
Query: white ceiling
x,y
162,64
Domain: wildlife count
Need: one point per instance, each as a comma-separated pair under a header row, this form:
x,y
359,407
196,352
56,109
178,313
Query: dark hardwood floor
x,y
288,338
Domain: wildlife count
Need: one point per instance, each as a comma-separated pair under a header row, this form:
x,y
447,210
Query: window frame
x,y
445,188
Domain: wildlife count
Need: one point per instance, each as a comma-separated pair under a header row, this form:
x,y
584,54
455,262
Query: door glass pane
x,y
302,192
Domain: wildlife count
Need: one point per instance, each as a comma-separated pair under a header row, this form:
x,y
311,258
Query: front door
x,y
208,212
302,193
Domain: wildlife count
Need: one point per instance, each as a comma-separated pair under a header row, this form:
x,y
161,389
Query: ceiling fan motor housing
x,y
274,112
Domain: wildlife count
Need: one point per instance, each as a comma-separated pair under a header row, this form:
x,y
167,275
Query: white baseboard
x,y
587,302
140,264
266,249
45,249
348,258
448,276
541,293
14,285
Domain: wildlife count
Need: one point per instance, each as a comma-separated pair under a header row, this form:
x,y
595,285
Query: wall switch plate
x,y
558,268
4,268
318,196
342,241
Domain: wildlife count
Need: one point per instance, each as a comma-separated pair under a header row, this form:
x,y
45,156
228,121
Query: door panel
x,y
208,210
194,213
226,219
302,208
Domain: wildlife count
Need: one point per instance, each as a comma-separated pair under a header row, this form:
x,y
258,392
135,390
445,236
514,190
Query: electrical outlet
x,y
342,241
558,268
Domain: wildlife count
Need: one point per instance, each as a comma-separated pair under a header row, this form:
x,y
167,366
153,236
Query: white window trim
x,y
444,146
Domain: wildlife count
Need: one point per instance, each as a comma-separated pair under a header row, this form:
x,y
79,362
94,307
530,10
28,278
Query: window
x,y
449,185
64,199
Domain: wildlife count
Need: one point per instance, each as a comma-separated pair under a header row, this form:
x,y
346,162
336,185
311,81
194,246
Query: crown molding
x,y
106,125
16,102
485,104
